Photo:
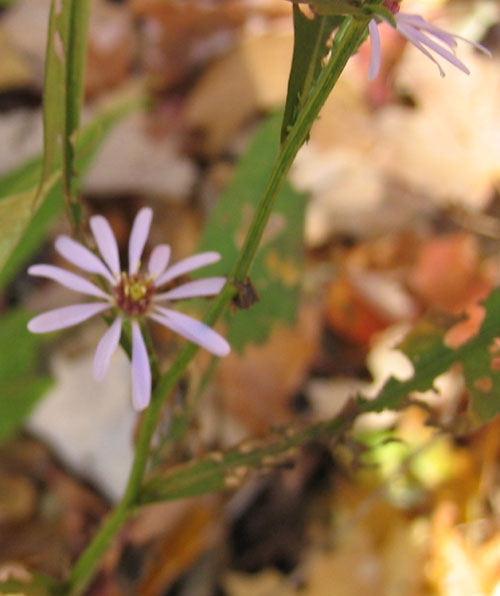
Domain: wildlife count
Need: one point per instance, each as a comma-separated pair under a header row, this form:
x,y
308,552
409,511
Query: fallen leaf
x,y
449,273
251,78
258,385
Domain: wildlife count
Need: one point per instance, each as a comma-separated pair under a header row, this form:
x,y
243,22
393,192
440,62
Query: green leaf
x,y
54,87
20,384
32,237
309,51
277,269
480,363
65,60
430,358
218,471
356,8
21,178
16,211
425,347
37,585
76,49
19,188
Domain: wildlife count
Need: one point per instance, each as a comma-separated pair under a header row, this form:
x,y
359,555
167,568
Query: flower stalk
x,y
346,42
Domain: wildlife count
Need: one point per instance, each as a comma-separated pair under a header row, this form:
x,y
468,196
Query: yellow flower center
x,y
137,290
133,294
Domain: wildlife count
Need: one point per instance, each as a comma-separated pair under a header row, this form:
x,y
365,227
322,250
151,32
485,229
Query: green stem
x,y
346,42
78,12
180,420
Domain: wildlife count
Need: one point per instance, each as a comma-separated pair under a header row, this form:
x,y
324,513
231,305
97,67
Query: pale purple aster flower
x,y
424,36
130,295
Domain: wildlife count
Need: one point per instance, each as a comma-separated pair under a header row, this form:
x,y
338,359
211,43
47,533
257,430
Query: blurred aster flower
x,y
423,35
131,295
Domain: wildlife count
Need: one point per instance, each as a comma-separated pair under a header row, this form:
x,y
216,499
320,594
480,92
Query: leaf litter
x,y
406,503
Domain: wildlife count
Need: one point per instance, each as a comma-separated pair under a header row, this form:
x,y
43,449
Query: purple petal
x,y
210,286
138,237
413,37
418,22
105,349
158,261
187,265
68,279
60,318
478,46
376,55
106,243
417,31
141,370
80,256
419,39
191,329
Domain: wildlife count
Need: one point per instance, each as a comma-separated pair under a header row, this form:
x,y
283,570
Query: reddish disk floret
x,y
391,5
133,294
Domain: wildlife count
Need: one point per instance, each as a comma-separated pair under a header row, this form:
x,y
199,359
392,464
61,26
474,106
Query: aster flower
x,y
131,295
425,36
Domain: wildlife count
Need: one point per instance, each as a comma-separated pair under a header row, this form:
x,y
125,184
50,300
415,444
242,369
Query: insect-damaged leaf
x,y
276,272
227,470
479,358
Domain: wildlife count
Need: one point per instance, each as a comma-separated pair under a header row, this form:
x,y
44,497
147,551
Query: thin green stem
x,y
180,420
346,42
78,12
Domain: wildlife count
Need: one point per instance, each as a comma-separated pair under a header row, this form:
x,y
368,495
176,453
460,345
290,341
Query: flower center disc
x,y
133,294
391,5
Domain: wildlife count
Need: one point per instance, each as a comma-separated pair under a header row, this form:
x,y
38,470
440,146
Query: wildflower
x,y
131,295
423,35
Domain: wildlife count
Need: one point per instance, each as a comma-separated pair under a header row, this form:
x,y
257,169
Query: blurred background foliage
x,y
386,235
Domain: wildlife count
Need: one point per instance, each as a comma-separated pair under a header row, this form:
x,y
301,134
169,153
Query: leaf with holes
x,y
227,470
426,349
277,270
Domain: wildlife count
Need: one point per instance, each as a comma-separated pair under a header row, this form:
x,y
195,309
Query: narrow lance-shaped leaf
x,y
63,93
309,51
356,8
217,471
54,88
19,188
76,51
